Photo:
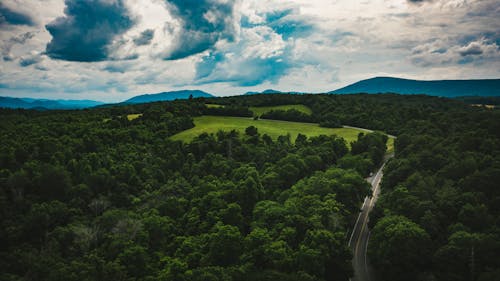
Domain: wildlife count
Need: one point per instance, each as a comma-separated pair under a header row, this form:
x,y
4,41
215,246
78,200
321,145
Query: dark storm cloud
x,y
87,29
204,23
9,16
145,37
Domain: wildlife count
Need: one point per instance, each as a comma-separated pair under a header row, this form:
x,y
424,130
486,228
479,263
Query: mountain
x,y
442,88
68,103
271,91
167,96
40,104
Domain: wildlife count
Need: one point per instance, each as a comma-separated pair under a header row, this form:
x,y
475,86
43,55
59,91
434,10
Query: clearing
x,y
274,128
131,117
390,144
213,105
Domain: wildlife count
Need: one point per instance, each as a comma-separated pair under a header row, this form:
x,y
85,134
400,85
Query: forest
x,y
91,195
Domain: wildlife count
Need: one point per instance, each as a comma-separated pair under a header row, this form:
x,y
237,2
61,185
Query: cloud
x,y
28,60
203,24
260,55
474,48
87,29
418,1
20,39
446,52
288,24
10,16
145,37
117,67
263,52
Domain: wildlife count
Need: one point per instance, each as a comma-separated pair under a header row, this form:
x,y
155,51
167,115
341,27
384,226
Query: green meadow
x,y
212,105
131,117
274,128
390,145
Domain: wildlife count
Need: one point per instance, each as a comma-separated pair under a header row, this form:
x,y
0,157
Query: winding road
x,y
361,234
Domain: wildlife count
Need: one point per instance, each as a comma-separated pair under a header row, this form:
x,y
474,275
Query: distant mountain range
x,y
167,96
271,91
29,103
442,88
46,104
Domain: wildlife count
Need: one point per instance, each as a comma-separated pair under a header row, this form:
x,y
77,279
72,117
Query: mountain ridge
x,y
375,85
46,104
168,96
442,88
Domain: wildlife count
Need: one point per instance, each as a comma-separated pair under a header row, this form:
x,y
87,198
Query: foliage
x,y
259,110
92,195
288,115
443,182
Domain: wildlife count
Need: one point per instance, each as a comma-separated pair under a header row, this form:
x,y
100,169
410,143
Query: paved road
x,y
366,130
361,234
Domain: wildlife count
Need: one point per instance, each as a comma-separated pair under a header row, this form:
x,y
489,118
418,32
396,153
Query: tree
x,y
251,131
399,248
225,245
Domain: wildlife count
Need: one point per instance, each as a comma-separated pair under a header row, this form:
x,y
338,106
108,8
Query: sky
x,y
111,50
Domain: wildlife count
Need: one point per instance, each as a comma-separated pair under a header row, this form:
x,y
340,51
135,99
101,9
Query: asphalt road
x,y
361,234
366,130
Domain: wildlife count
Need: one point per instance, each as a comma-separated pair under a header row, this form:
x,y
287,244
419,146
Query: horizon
x,y
124,48
241,94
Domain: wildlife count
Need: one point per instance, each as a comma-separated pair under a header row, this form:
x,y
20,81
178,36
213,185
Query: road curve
x,y
366,130
358,241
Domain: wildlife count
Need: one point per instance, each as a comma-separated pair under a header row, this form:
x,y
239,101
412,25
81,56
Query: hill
x,y
168,96
442,88
41,104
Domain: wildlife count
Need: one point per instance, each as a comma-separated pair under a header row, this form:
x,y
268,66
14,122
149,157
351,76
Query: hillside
x,y
442,88
168,96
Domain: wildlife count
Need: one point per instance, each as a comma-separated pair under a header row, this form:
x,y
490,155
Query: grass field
x,y
131,117
213,105
274,128
258,111
390,145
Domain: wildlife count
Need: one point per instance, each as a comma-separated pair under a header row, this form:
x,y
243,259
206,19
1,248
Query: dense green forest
x,y
439,214
92,195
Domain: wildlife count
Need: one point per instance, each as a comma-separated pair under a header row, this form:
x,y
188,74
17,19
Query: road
x,y
361,234
366,130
